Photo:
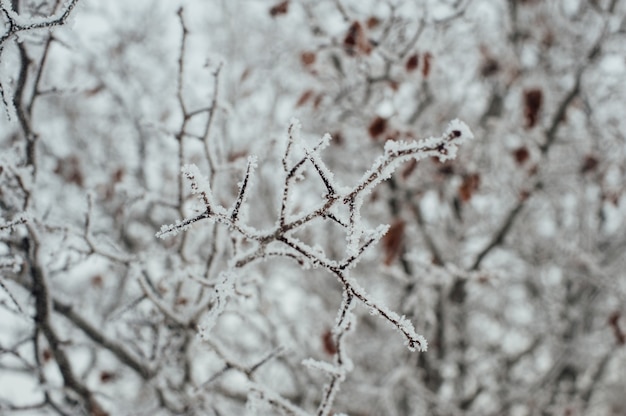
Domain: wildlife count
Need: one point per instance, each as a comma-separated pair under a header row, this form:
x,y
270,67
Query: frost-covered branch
x,y
395,153
343,364
17,23
260,397
506,254
244,188
10,225
100,338
43,320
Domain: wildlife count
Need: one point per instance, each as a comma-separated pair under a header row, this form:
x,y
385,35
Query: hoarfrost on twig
x,y
281,238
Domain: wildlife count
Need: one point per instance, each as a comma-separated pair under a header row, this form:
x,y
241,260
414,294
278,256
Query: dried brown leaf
x,y
427,58
377,127
356,41
393,241
446,168
469,185
307,58
533,100
107,376
521,155
372,22
328,343
304,98
69,168
409,168
620,336
337,138
280,8
97,281
412,63
590,163
489,67
318,101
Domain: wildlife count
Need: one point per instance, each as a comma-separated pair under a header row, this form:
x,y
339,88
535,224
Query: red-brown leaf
x,y
469,185
426,65
337,138
107,376
118,175
318,101
280,8
69,168
377,127
533,100
328,342
524,194
446,168
306,96
619,334
409,168
393,241
590,163
372,22
412,63
356,40
521,155
351,39
307,58
489,67
97,281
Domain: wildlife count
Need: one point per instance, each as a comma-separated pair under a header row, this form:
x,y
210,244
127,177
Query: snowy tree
x,y
312,207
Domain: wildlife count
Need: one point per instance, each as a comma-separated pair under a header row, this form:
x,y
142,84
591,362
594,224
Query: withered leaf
x,y
408,169
328,342
356,40
521,155
393,241
412,63
306,96
469,186
307,58
426,65
533,99
372,22
590,163
280,8
377,127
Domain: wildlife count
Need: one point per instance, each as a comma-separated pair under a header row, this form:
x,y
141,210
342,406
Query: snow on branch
x,y
224,290
200,186
18,23
443,147
279,241
244,187
325,174
10,225
293,134
14,264
342,364
261,400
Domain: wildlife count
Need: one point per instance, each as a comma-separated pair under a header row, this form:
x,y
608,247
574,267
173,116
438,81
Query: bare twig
x,y
99,338
16,25
444,148
43,306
